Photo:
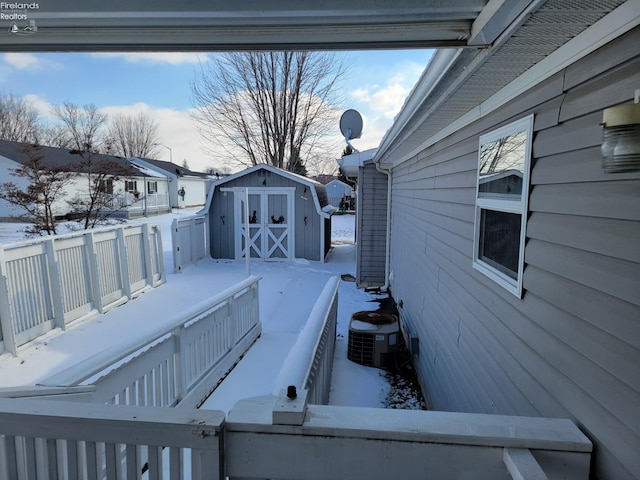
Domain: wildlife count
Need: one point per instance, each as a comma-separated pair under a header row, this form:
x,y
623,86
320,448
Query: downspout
x,y
387,253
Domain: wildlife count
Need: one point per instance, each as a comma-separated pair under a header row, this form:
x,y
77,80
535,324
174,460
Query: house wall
x,y
371,241
195,192
571,346
6,169
336,190
307,233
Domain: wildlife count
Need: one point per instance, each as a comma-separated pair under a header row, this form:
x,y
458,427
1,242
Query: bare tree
x,y
133,135
54,136
268,107
83,127
46,187
19,119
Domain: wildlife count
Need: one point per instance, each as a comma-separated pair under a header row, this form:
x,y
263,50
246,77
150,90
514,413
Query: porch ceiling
x,y
216,25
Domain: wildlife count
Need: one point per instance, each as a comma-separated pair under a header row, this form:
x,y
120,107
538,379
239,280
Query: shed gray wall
x,y
371,241
307,235
571,346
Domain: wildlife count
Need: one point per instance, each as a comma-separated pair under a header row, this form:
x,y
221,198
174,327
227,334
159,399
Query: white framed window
x,y
130,186
502,194
152,187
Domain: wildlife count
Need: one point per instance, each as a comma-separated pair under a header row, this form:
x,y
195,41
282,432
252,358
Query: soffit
x,y
477,75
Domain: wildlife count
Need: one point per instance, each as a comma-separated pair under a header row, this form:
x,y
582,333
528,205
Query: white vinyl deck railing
x,y
49,282
82,441
309,363
178,365
189,237
272,436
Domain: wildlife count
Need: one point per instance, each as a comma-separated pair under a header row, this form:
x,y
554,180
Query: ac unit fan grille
x,y
361,348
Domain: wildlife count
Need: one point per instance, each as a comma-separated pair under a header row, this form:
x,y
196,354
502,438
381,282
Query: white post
x,y
194,241
181,370
247,234
6,323
124,262
96,293
148,251
177,251
56,287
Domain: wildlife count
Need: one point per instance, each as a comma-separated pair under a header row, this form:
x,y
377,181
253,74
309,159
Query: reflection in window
x,y
501,203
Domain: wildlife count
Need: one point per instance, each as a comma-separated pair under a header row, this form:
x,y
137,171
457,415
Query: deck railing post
x,y
92,263
177,246
55,283
147,250
233,323
124,262
6,320
181,364
159,252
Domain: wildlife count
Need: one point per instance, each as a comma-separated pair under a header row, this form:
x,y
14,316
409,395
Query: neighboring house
x,y
186,187
136,193
339,193
7,166
518,276
289,215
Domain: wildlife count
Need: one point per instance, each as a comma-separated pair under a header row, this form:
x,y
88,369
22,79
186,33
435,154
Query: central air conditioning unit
x,y
374,337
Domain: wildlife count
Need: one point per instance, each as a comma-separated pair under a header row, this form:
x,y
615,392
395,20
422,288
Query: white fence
x,y
189,237
180,364
69,440
126,205
49,282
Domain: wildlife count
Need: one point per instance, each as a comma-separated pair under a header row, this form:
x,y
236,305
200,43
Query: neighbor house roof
x,y
171,168
461,85
61,158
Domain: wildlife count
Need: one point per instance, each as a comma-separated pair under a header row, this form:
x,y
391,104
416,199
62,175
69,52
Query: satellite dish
x,y
351,125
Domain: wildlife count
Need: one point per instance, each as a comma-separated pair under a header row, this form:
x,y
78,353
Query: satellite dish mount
x,y
351,126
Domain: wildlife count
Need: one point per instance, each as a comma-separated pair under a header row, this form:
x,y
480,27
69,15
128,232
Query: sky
x,y
159,84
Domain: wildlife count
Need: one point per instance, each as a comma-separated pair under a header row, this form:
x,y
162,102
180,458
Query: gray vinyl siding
x,y
571,346
307,222
372,227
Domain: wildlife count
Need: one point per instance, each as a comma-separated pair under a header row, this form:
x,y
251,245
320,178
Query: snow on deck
x,y
288,291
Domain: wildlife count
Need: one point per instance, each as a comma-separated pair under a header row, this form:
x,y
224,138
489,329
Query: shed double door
x,y
270,224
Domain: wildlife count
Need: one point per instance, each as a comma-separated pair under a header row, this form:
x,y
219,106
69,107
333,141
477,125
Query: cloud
x,y
172,58
23,61
176,130
380,102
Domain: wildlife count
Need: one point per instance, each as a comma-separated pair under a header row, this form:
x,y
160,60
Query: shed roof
x,y
319,191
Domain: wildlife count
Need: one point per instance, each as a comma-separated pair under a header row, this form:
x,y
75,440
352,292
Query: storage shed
x,y
289,216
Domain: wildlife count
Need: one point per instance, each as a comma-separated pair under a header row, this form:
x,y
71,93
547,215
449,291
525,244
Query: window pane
x,y
502,167
500,241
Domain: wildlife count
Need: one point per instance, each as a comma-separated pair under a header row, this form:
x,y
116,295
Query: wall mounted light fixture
x,y
621,137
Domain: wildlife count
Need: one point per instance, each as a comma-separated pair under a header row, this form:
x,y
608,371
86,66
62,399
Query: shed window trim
x,y
501,208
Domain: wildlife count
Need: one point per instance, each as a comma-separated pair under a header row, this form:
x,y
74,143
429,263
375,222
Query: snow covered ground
x,y
288,291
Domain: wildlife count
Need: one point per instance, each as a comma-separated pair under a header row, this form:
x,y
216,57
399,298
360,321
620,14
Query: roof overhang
x,y
216,25
352,162
459,87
